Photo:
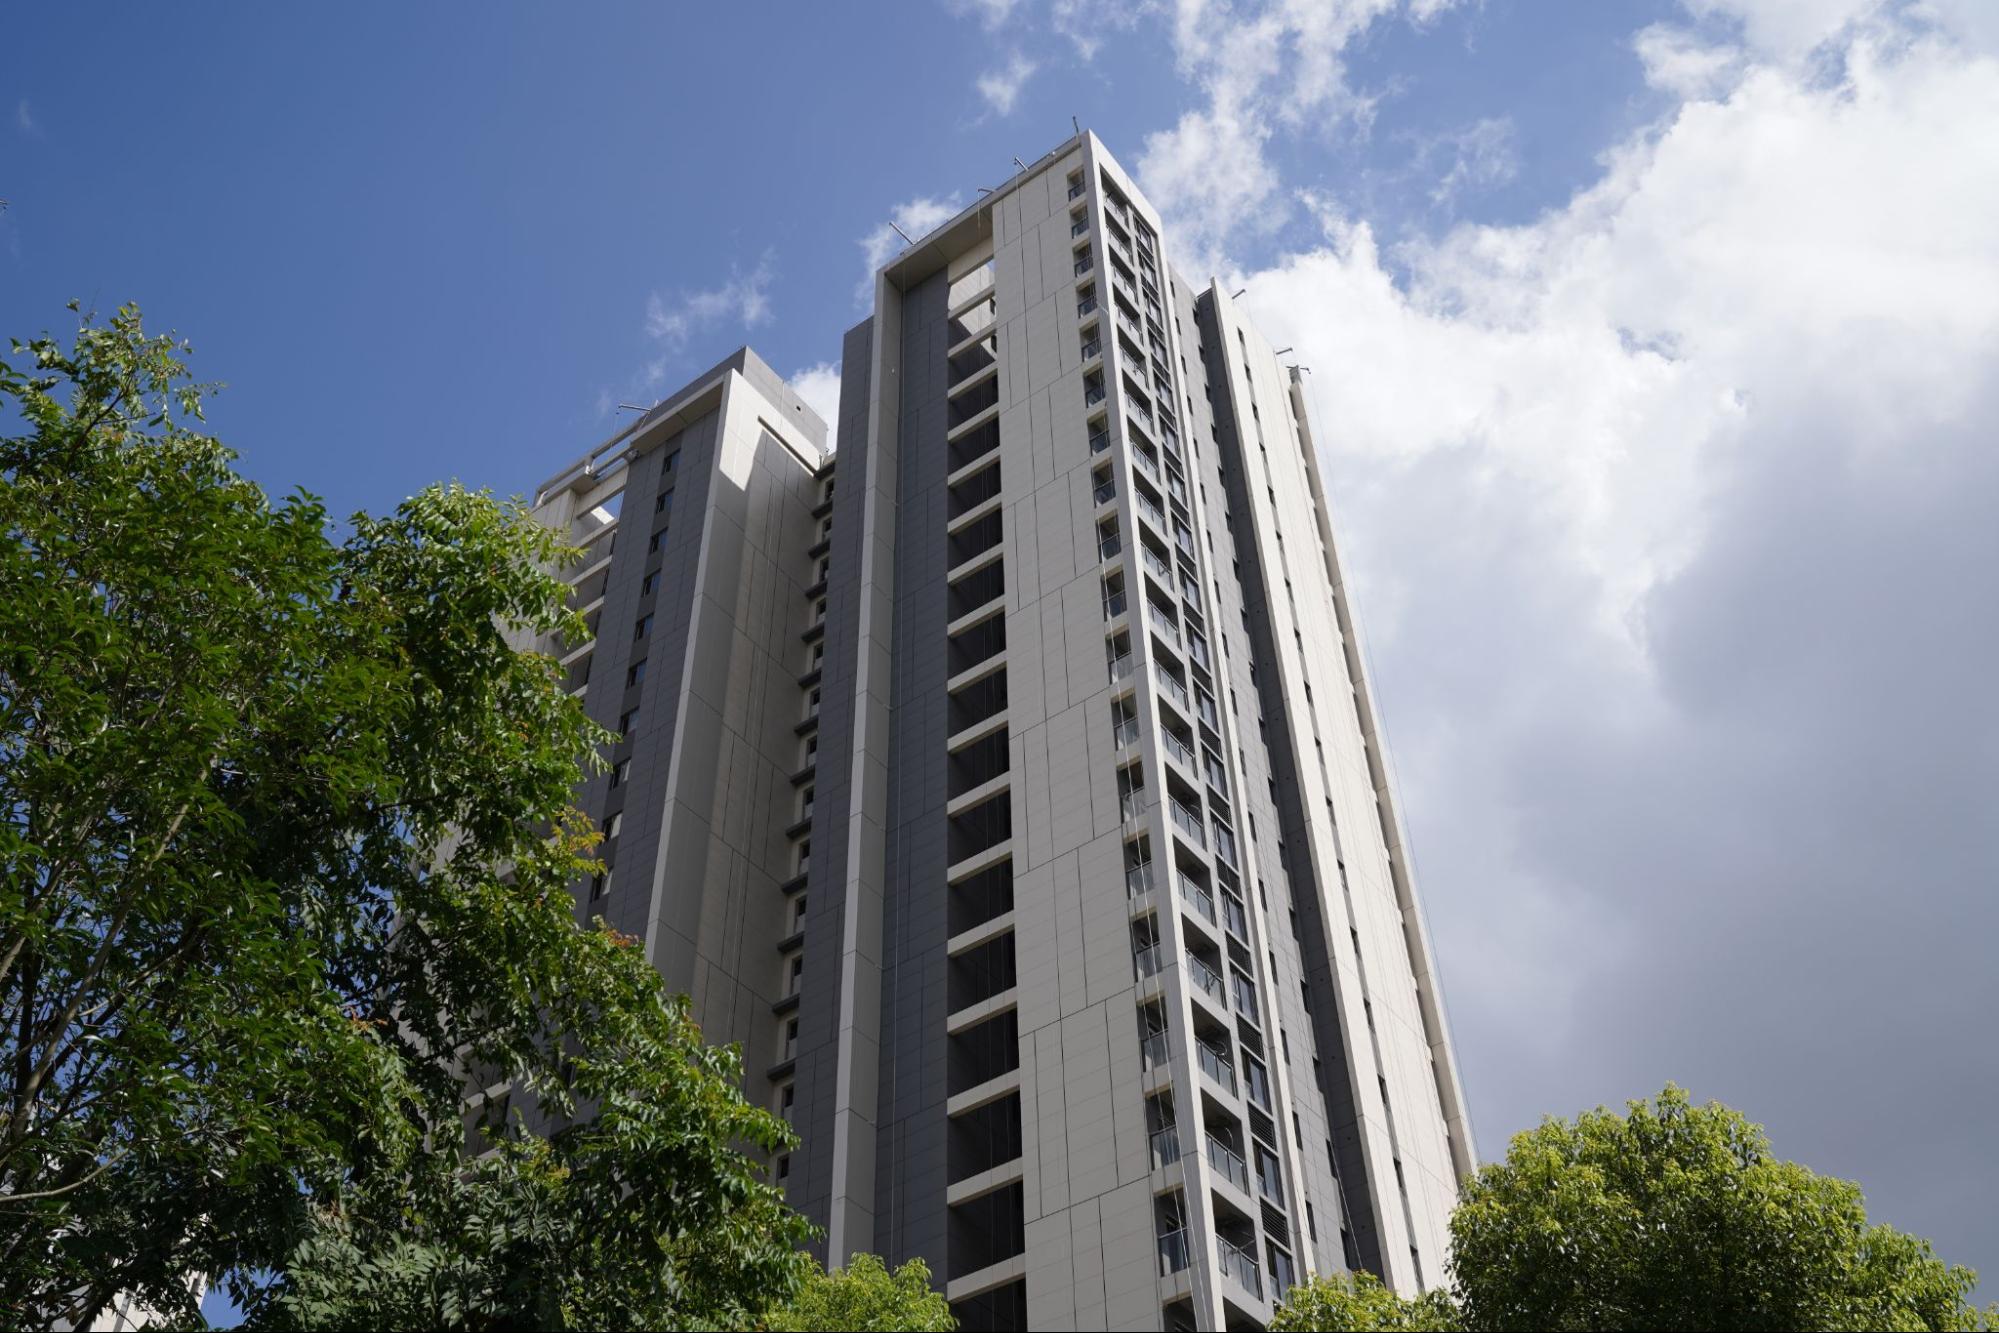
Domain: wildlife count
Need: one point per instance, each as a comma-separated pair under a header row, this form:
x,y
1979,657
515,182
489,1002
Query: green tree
x,y
1677,1216
285,848
868,1298
1359,1301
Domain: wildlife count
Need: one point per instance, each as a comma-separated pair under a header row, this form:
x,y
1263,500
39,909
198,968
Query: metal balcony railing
x,y
1215,1064
1208,980
1203,901
1228,1162
1240,1264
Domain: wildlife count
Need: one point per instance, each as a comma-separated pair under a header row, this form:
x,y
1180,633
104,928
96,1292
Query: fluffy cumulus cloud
x,y
914,218
819,386
1001,86
1671,515
1261,66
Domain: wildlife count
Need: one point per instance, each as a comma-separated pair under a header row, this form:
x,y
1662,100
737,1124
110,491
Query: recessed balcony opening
x,y
974,590
1001,1310
975,490
973,703
977,643
979,898
979,763
987,1230
974,444
975,538
973,359
985,1137
977,319
981,828
981,1054
968,404
978,974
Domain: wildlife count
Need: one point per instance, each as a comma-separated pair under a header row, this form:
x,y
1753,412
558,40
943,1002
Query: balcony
x,y
1125,733
1180,750
1201,900
1100,439
1174,1252
1208,980
1240,1264
1122,665
1113,604
1154,1053
1228,1164
1189,822
1138,880
1165,1146
1162,620
1234,918
1149,961
1175,691
1086,305
1092,395
1215,1065
1104,492
1150,508
1156,562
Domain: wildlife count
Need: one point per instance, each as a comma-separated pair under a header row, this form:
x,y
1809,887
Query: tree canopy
x,y
867,1298
285,851
1671,1216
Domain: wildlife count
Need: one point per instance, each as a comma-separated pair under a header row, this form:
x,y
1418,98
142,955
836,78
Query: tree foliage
x,y
1677,1216
1360,1301
868,1298
285,847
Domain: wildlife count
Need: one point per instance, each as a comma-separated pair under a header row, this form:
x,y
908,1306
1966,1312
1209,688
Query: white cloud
x,y
1483,154
917,218
990,13
1259,67
744,301
1088,23
1671,511
24,120
819,386
1001,87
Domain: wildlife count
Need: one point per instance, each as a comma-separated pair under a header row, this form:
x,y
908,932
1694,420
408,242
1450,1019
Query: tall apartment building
x,y
1018,803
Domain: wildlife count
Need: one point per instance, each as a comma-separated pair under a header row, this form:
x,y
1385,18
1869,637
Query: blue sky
x,y
1655,355
446,228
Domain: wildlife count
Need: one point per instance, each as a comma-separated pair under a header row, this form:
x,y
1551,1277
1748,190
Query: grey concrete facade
x,y
1018,802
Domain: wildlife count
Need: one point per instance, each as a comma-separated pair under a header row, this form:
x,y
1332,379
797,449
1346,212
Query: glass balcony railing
x,y
1093,395
1150,508
1109,546
1100,440
1121,666
1156,563
1174,1252
1164,620
1153,1053
1125,733
1203,901
1149,960
1228,1164
1131,805
1091,349
1215,1065
1113,605
1138,879
1208,980
1165,1146
1175,691
1086,306
1179,749
1240,1264
1105,492
1245,1000
1234,917
1189,822
1076,190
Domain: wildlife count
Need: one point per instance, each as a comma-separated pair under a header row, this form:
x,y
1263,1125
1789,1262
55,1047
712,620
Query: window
x,y
805,803
653,543
663,505
635,673
1108,544
621,773
600,885
643,628
630,716
649,584
804,854
612,823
